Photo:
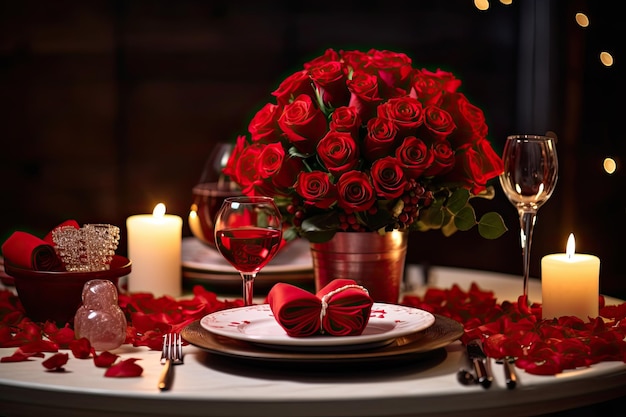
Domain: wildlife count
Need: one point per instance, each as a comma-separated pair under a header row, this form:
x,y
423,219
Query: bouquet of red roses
x,y
362,141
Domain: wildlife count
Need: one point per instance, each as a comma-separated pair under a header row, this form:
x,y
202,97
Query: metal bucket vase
x,y
374,261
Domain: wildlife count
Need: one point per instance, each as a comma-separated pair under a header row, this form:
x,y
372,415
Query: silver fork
x,y
172,354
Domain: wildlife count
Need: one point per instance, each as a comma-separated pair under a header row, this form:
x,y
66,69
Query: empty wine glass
x,y
529,178
248,232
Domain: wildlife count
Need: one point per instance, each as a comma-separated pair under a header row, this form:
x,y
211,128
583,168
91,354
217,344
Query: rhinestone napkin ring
x,y
90,248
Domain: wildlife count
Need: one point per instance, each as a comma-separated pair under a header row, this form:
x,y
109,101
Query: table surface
x,y
209,385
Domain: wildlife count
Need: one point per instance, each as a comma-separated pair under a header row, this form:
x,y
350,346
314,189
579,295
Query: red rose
x,y
414,156
338,152
231,166
303,123
438,124
406,112
388,178
443,159
329,55
264,125
475,165
355,192
285,178
364,90
316,189
330,80
294,85
346,119
469,119
356,60
242,164
270,160
429,86
394,70
380,138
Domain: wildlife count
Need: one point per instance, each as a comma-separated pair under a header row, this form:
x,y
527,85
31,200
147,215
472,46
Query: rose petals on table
x,y
341,308
21,356
105,359
124,369
56,361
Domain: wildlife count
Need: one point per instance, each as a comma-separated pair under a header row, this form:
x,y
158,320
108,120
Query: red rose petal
x,y
125,369
81,348
20,356
56,361
105,359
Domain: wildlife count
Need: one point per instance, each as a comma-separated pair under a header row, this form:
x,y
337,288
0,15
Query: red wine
x,y
248,249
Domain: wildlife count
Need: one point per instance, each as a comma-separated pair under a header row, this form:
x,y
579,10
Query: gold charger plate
x,y
443,332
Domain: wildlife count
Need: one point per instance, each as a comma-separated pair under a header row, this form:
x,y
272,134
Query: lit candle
x,y
570,284
154,247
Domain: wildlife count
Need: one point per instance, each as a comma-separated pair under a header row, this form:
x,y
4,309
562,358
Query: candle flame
x,y
571,246
159,210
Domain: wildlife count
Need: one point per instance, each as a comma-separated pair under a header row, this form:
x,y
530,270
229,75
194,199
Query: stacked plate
x,y
204,265
394,332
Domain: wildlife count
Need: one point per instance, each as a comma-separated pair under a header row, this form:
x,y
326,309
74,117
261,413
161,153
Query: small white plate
x,y
257,324
293,257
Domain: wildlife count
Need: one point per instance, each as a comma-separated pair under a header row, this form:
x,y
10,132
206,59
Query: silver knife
x,y
482,367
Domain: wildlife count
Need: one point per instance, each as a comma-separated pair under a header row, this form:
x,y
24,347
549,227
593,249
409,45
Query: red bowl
x,y
55,296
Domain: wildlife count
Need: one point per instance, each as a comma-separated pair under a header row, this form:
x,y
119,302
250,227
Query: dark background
x,y
109,107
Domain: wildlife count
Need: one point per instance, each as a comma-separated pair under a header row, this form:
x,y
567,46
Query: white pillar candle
x,y
154,248
570,284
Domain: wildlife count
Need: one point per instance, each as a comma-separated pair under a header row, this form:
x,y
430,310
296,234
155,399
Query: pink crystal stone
x,y
100,318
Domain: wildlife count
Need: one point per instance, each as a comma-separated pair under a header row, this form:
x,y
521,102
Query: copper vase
x,y
374,261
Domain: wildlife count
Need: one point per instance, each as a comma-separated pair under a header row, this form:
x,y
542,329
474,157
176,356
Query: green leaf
x,y
465,219
319,237
449,228
290,234
322,222
491,226
458,200
432,217
380,219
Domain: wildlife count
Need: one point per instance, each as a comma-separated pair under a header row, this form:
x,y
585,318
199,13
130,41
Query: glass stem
x,y
527,224
248,288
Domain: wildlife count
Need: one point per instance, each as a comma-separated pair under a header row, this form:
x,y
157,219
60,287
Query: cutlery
x,y
481,363
509,373
172,354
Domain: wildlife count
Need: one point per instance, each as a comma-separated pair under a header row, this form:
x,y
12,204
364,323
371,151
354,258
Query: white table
x,y
208,385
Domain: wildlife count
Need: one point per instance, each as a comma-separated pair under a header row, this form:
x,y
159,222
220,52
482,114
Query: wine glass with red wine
x,y
248,232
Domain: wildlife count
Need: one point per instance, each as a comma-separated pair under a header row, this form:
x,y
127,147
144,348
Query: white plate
x,y
295,256
257,324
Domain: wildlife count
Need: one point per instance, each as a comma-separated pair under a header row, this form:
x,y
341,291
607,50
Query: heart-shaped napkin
x,y
341,308
31,252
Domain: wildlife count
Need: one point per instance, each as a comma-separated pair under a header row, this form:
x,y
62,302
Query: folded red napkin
x,y
341,308
28,251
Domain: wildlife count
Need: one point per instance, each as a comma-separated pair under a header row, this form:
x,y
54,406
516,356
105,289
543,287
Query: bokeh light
x,y
582,20
481,4
606,58
609,165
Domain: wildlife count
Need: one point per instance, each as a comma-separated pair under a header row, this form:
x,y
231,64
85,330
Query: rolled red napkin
x,y
28,251
341,308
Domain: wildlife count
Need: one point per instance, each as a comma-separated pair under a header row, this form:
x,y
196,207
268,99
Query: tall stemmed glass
x,y
529,178
248,232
